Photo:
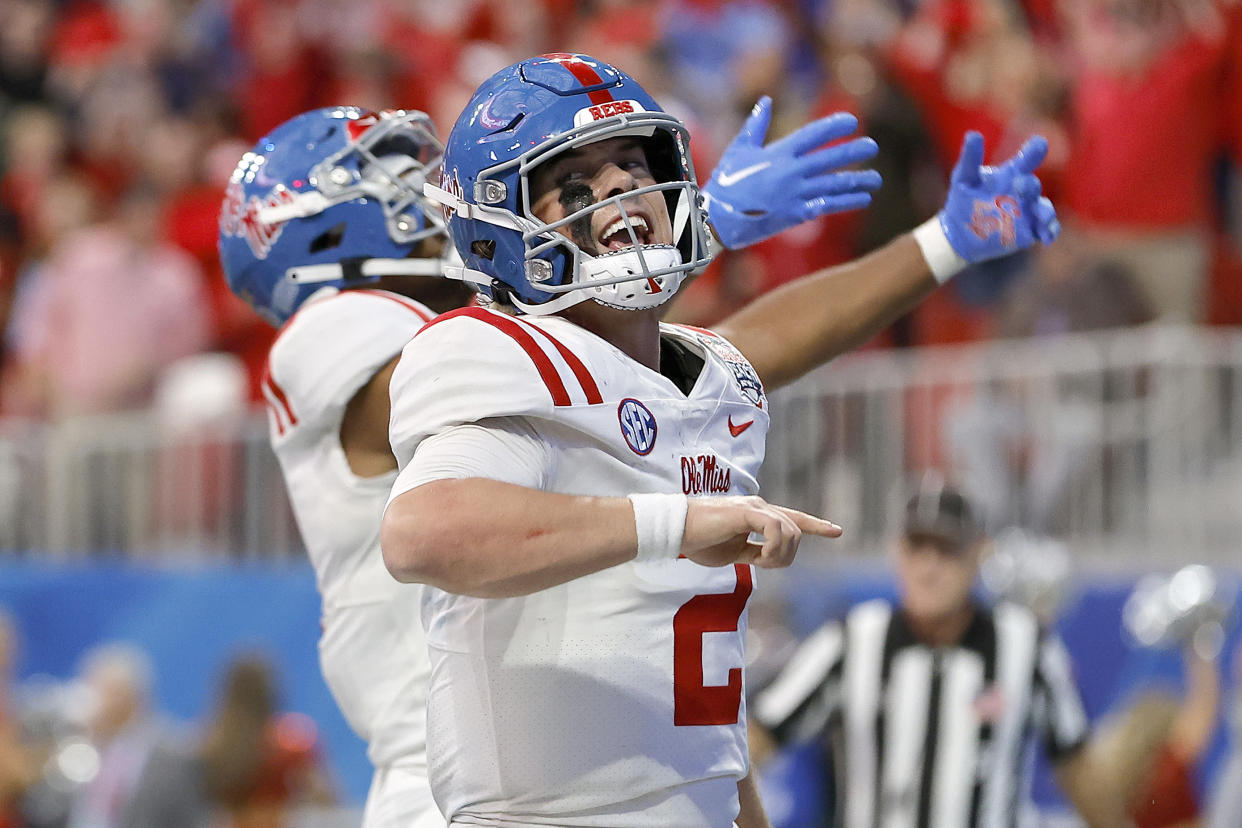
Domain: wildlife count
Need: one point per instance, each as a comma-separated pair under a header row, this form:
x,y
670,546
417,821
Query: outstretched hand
x,y
757,191
994,211
719,531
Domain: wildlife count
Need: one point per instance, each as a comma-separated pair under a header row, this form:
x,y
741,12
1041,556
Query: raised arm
x,y
989,212
809,321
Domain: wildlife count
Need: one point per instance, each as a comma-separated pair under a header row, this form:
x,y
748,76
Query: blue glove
x,y
994,211
756,192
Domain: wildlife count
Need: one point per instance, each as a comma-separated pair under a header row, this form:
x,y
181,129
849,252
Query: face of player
x,y
935,577
579,178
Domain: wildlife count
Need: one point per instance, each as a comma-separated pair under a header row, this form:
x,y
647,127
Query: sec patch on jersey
x,y
638,426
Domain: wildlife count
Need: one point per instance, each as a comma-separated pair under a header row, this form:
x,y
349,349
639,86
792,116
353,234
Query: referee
x,y
928,706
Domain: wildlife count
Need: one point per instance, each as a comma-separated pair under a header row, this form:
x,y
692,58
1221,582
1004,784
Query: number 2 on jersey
x,y
694,703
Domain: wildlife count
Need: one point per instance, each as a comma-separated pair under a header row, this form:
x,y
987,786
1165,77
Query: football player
x,y
325,231
578,482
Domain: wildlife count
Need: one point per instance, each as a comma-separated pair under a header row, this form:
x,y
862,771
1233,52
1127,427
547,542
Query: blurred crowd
x,y
95,751
123,118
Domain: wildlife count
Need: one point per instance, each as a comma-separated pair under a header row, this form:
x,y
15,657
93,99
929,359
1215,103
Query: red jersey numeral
x,y
693,703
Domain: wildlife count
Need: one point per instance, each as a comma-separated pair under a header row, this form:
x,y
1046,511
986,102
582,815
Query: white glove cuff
x,y
660,522
940,255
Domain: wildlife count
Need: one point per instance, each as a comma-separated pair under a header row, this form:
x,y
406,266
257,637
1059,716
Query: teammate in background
x,y
927,705
325,218
547,459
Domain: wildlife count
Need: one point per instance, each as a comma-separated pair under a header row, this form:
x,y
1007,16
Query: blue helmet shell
x,y
328,191
517,119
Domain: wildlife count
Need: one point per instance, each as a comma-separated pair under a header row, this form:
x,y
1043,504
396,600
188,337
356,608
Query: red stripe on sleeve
x,y
576,365
271,406
585,75
279,394
547,371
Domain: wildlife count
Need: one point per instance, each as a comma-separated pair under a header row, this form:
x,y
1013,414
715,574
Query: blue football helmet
x,y
527,115
332,197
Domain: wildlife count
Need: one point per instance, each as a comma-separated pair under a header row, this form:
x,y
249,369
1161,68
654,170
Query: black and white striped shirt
x,y
927,737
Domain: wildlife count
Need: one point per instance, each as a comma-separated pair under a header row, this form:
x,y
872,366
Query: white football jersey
x,y
371,650
615,699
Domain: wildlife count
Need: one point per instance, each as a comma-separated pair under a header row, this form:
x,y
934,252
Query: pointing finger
x,y
812,524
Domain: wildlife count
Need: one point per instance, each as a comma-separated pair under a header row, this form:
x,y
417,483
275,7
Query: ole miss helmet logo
x,y
240,217
451,184
638,426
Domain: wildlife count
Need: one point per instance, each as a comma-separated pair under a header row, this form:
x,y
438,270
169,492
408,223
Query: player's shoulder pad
x,y
334,344
474,364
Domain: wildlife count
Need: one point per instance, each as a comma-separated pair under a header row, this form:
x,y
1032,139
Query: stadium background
x,y
137,497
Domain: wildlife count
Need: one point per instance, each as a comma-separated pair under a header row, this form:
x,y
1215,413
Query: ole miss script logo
x,y
704,474
240,217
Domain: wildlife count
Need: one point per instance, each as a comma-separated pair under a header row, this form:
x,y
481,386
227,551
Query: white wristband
x,y
940,255
660,522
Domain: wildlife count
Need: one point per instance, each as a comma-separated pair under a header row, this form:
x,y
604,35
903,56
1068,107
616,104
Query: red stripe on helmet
x,y
586,76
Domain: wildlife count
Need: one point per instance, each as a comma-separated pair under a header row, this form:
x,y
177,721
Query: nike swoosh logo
x,y
729,179
736,430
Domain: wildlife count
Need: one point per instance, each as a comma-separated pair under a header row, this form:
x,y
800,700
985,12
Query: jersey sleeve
x,y
504,449
798,704
330,349
1062,718
465,367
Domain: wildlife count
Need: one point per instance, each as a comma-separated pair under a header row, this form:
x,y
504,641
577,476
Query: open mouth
x,y
616,234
